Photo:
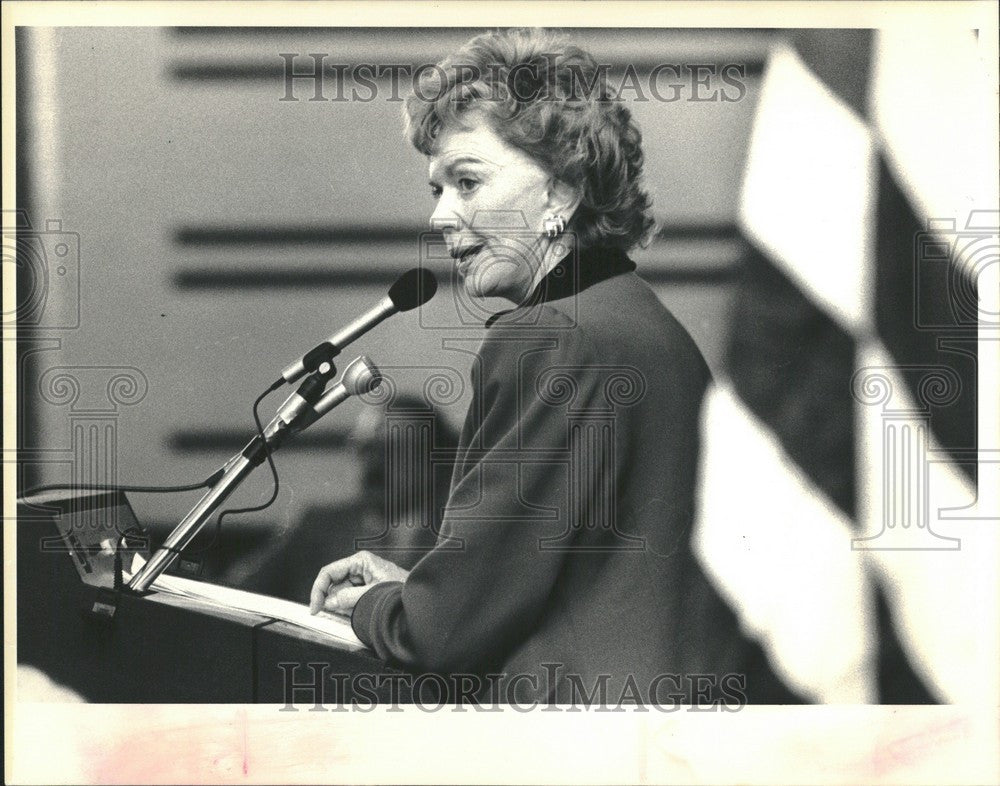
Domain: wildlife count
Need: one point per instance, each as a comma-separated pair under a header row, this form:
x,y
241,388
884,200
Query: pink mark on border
x,y
246,750
910,749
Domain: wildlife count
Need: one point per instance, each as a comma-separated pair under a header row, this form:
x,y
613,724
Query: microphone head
x,y
414,288
360,376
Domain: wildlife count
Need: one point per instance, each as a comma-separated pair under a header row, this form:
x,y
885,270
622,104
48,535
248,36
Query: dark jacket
x,y
565,550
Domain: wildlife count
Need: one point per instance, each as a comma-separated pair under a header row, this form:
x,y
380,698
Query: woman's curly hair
x,y
545,97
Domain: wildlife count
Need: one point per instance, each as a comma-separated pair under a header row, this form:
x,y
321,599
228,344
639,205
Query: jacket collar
x,y
575,273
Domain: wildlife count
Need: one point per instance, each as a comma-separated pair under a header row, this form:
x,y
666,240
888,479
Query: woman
x,y
564,560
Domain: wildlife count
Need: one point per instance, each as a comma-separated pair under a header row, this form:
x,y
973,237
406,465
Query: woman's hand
x,y
340,584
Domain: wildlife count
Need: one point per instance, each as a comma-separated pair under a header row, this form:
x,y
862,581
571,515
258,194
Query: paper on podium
x,y
332,625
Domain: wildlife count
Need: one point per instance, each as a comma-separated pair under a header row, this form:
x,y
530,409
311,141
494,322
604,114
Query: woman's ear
x,y
563,199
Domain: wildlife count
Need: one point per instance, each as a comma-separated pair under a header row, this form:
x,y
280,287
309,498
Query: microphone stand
x,y
297,412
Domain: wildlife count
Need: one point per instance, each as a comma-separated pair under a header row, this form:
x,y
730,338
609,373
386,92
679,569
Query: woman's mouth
x,y
466,257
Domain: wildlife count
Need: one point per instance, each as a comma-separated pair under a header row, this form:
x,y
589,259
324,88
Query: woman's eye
x,y
436,192
467,185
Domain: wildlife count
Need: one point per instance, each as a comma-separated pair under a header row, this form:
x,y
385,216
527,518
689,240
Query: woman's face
x,y
492,200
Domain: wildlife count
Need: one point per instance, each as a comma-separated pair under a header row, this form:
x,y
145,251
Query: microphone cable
x,y
208,482
256,508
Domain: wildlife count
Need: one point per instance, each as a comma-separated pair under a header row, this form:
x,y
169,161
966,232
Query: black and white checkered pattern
x,y
839,509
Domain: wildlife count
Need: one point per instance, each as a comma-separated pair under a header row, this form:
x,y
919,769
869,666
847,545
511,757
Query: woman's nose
x,y
444,219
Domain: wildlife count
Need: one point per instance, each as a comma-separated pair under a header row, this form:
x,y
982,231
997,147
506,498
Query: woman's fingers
x,y
377,568
330,575
360,571
344,600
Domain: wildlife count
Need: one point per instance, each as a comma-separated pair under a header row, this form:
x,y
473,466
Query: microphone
x,y
298,412
414,288
361,376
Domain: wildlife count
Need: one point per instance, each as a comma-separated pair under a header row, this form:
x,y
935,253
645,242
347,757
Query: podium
x,y
157,647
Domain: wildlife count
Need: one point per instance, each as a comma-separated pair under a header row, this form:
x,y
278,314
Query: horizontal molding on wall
x,y
301,279
276,278
268,71
251,54
189,31
430,44
209,440
462,33
232,440
242,32
708,254
292,234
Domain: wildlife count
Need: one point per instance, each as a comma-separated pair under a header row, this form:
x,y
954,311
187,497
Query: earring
x,y
554,226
